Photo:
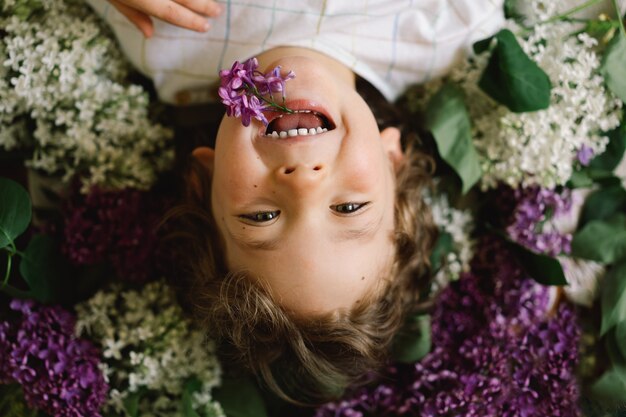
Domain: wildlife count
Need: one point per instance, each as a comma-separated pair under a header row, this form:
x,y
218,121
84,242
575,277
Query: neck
x,y
269,57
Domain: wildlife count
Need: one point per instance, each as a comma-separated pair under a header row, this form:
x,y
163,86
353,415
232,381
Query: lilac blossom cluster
x,y
59,373
243,89
531,225
497,351
113,226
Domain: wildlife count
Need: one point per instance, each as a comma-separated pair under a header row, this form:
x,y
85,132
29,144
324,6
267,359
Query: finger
x,y
178,15
139,19
204,7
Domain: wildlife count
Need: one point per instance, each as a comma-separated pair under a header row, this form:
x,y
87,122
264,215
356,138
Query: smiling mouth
x,y
298,123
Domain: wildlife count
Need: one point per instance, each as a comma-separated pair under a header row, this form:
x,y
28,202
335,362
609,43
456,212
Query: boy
x,y
305,240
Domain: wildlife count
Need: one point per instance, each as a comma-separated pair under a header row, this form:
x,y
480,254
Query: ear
x,y
206,157
391,144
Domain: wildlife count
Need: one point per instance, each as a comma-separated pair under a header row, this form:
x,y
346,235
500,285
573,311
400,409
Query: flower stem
x,y
620,18
271,102
8,271
570,12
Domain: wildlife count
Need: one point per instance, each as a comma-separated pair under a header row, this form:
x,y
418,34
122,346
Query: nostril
x,y
317,167
289,170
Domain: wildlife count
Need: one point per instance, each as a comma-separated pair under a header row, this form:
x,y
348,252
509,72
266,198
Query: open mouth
x,y
298,123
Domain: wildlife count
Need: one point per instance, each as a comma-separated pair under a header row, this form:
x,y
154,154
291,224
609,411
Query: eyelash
x,y
352,208
258,216
267,216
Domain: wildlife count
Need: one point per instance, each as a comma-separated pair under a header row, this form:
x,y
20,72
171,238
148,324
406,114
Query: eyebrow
x,y
366,231
265,245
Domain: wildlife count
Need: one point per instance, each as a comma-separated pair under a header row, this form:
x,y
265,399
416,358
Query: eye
x,y
348,208
261,216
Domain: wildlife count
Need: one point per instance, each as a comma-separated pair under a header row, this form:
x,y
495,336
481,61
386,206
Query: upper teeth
x,y
298,132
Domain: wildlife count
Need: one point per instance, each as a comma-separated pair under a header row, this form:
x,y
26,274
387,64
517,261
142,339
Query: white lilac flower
x,y
541,147
458,224
149,347
583,277
62,74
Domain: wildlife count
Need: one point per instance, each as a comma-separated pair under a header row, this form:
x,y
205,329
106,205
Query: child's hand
x,y
189,14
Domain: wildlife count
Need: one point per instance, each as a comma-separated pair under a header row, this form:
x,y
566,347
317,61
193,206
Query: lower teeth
x,y
299,132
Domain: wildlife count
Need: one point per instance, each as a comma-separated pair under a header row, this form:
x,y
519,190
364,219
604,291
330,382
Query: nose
x,y
301,178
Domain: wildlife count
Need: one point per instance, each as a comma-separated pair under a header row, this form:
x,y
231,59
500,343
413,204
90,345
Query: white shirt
x,y
390,43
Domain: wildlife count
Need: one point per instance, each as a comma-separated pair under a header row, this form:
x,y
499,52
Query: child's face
x,y
311,215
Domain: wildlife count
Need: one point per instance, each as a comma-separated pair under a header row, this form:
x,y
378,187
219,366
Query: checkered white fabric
x,y
390,43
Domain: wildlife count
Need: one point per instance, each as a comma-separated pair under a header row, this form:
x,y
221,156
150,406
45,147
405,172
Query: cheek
x,y
236,185
367,170
236,176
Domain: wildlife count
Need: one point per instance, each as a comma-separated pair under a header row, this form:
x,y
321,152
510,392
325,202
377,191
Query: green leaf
x,y
580,179
15,211
25,9
614,352
240,397
613,64
610,387
620,341
513,79
131,404
413,341
12,402
613,297
542,268
443,246
191,386
448,120
482,45
603,203
44,269
604,178
599,28
510,9
15,292
611,157
601,240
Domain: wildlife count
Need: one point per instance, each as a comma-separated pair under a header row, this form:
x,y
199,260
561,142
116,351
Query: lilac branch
x,y
243,89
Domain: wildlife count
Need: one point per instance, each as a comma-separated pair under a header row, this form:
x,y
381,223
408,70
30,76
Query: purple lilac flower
x,y
241,105
239,74
496,352
58,372
584,155
531,225
113,226
272,82
243,88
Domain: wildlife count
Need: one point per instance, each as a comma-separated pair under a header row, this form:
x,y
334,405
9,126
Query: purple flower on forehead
x,y
238,75
241,105
58,372
272,82
243,88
